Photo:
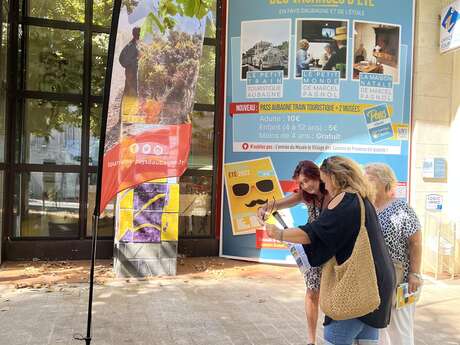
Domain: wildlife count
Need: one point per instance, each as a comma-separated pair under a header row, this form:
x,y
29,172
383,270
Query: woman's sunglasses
x,y
241,189
325,166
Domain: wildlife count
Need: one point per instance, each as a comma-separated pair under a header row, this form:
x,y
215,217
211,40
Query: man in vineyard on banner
x,y
129,59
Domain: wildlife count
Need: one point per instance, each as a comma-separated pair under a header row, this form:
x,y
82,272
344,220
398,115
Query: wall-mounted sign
x,y
450,30
401,190
435,168
428,168
433,202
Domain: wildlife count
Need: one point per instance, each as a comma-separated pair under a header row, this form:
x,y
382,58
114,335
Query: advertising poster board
x,y
309,79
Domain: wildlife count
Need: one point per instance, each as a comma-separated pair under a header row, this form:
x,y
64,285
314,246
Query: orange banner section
x,y
157,153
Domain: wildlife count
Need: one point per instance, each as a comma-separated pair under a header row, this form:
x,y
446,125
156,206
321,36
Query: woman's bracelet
x,y
416,275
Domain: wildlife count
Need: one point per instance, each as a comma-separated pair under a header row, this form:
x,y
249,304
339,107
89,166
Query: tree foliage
x,y
163,16
206,80
55,60
54,116
68,10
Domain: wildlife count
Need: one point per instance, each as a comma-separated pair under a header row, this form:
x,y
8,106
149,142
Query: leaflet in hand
x,y
300,257
296,250
404,298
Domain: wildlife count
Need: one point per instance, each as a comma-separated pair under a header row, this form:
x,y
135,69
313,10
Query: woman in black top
x,y
334,234
313,194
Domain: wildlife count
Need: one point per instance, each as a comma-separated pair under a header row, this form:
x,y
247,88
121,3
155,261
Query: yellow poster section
x,y
249,184
136,110
400,131
169,228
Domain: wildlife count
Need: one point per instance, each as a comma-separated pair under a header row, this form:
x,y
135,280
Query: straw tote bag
x,y
350,290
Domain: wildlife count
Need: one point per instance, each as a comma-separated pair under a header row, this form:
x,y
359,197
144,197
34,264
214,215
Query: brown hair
x,y
310,170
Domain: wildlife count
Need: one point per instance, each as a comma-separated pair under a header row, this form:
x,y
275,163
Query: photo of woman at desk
x,y
376,49
321,45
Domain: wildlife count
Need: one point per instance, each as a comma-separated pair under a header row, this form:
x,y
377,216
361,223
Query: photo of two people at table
x,y
322,45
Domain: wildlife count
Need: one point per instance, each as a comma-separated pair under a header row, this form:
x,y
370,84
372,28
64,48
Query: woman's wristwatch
x,y
416,275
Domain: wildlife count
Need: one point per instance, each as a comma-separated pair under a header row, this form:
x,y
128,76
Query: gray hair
x,y
383,173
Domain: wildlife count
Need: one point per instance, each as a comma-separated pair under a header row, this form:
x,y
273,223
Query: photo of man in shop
x,y
338,61
129,60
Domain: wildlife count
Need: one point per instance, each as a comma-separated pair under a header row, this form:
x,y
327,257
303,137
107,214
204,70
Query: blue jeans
x,y
345,332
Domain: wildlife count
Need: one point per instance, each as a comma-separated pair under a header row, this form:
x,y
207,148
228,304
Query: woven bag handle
x,y
363,211
361,205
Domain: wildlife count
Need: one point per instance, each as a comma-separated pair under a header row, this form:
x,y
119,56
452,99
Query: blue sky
x,y
273,31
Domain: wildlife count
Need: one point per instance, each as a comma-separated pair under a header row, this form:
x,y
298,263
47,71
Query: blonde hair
x,y
347,176
303,43
384,174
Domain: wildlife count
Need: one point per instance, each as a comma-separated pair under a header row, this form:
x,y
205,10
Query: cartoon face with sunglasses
x,y
258,192
250,184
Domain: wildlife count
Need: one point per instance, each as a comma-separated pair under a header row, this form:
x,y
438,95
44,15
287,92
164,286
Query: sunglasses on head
x,y
325,166
241,189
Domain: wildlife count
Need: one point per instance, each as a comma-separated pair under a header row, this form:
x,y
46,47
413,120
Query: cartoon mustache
x,y
256,202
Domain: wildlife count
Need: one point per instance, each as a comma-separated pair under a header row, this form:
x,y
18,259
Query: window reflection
x,y
95,133
47,205
52,132
102,12
206,79
107,218
99,59
54,60
196,187
201,150
70,11
210,30
195,206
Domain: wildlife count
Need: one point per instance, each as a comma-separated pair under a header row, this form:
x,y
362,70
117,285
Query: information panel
x,y
307,79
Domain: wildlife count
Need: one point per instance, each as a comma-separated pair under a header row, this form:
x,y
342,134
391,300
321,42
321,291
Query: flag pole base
x,y
87,339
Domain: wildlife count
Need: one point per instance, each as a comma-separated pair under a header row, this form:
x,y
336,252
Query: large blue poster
x,y
307,79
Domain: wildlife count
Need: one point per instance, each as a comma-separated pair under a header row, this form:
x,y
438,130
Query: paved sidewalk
x,y
240,305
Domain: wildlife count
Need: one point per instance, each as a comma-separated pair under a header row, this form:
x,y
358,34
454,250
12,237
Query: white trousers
x,y
400,331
